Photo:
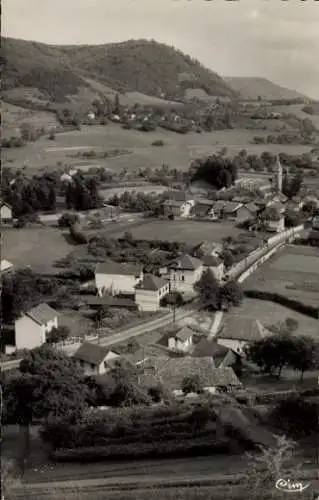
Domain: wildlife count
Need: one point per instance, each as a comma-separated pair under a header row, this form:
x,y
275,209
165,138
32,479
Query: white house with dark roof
x,y
244,334
117,278
150,291
184,273
181,339
95,359
215,264
6,216
32,326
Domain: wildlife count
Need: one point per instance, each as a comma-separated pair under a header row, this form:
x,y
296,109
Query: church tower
x,y
278,176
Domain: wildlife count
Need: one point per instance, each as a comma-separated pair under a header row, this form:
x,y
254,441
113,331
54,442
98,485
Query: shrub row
x,y
173,448
296,305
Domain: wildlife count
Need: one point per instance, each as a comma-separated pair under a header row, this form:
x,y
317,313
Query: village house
x,y
230,210
248,211
180,340
172,371
184,273
117,278
237,339
273,220
178,208
215,264
202,208
207,248
150,291
94,359
6,216
33,326
217,210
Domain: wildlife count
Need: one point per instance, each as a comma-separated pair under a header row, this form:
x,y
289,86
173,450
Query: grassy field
x,y
188,231
293,272
268,313
178,150
13,116
35,247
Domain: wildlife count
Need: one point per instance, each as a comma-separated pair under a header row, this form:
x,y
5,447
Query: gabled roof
x,y
228,360
91,353
207,248
209,348
249,332
135,358
182,334
152,283
252,207
117,268
174,370
42,313
231,206
211,261
187,263
4,204
218,205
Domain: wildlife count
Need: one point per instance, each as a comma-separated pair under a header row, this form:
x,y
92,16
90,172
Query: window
x,y
183,278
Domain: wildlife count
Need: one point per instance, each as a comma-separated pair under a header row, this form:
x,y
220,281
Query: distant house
x,y
95,359
32,326
244,334
150,291
181,339
230,210
6,267
215,264
247,212
6,216
217,209
277,205
91,115
178,208
117,278
184,273
207,248
202,207
274,220
172,371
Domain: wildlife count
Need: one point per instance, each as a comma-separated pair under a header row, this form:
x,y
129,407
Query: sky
x,y
274,39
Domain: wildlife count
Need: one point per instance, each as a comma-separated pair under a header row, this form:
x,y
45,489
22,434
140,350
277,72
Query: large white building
x,y
117,278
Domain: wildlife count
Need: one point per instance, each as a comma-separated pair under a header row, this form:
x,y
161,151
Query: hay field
x,y
178,150
293,272
13,116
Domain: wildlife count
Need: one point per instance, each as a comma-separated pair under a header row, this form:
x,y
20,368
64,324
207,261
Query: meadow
x,y
178,150
37,247
188,231
293,272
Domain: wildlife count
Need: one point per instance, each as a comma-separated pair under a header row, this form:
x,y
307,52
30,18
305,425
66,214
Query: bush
x,y
78,235
68,219
296,305
158,142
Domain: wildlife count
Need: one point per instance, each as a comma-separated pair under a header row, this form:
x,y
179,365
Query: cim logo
x,y
289,486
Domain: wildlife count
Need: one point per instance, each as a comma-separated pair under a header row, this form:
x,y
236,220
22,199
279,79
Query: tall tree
x,y
208,290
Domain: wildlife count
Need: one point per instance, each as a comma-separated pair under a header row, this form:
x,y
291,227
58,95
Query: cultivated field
x,y
293,272
178,150
188,231
35,247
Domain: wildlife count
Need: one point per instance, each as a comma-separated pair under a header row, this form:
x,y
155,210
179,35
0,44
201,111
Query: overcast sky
x,y
275,39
